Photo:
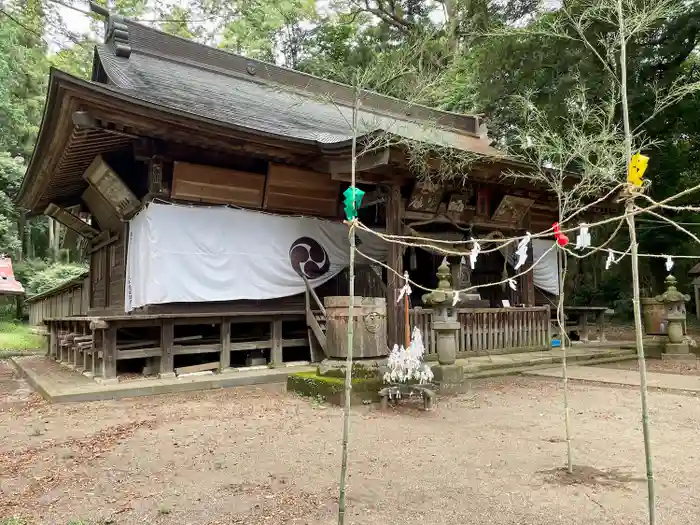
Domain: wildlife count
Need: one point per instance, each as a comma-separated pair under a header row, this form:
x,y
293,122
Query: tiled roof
x,y
207,82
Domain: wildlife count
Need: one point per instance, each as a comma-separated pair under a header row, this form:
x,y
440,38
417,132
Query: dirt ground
x,y
256,456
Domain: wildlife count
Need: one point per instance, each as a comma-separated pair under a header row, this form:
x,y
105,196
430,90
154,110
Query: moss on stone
x,y
358,371
331,388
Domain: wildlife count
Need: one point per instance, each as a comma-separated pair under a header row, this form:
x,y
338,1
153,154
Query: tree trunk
x,y
21,227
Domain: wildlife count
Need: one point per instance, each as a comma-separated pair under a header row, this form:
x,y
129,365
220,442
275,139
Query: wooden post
x,y
583,326
697,300
109,354
527,281
276,351
600,321
167,360
225,358
97,339
53,340
394,207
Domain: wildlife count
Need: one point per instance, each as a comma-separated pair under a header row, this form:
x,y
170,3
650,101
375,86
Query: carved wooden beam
x,y
70,221
108,184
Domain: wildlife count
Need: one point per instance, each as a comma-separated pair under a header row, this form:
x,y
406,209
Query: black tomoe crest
x,y
308,258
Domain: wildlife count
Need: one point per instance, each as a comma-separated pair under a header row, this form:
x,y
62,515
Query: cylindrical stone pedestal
x,y
446,341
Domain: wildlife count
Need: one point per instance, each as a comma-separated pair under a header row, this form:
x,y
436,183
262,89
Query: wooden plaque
x,y
426,198
200,183
296,190
512,209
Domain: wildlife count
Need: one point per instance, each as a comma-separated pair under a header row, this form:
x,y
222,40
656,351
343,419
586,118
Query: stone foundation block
x,y
449,379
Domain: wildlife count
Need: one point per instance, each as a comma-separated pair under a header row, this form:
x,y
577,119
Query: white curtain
x,y
546,272
200,254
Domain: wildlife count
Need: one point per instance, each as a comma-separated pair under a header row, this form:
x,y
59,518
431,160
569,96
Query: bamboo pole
x,y
561,321
629,211
351,319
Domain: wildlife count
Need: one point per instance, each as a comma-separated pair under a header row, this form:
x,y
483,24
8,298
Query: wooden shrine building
x,y
188,168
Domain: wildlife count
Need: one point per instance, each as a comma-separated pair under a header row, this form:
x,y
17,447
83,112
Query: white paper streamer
x,y
583,239
455,298
406,290
521,252
512,284
476,249
610,260
669,263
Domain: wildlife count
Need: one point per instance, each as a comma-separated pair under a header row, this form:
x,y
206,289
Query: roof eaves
x,y
47,134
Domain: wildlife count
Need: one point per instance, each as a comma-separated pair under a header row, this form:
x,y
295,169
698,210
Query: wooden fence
x,y
70,299
491,330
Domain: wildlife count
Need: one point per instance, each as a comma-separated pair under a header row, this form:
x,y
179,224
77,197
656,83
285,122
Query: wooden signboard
x,y
461,203
512,209
295,190
426,197
200,183
108,184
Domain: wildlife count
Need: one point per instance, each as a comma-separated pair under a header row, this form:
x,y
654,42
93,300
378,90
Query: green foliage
x,y
11,172
178,21
52,276
22,82
17,338
75,59
265,29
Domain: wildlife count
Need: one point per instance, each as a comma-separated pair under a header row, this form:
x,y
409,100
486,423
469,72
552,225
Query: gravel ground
x,y
256,456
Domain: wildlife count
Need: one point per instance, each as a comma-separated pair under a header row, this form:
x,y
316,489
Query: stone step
x,y
475,372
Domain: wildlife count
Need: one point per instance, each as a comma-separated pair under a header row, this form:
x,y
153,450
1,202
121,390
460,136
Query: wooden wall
x,y
64,301
108,276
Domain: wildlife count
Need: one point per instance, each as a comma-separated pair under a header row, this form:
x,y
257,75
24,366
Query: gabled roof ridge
x,y
158,44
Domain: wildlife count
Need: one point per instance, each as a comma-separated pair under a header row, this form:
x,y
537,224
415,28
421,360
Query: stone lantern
x,y
674,310
448,375
445,322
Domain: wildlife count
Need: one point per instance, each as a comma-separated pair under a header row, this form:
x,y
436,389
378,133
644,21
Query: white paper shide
x,y
406,364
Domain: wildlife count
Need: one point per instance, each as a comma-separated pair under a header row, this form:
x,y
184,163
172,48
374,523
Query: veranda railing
x,y
491,330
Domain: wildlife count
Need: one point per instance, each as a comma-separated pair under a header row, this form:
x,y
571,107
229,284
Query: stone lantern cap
x,y
672,295
443,295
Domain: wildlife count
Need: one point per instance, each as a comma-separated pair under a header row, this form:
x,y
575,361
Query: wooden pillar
x,y
53,340
276,351
527,281
167,359
109,353
225,358
394,208
97,340
697,300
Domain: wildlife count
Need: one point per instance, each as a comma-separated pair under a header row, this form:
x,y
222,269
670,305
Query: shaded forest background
x,y
481,70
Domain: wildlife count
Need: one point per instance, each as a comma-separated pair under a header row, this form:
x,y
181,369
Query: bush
x,y
51,276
